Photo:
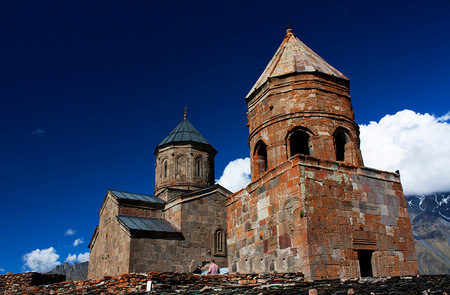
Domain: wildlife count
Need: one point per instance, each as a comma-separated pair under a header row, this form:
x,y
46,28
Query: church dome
x,y
183,132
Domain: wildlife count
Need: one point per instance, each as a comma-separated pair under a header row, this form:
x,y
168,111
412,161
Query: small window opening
x,y
181,167
165,169
261,157
299,143
339,142
198,167
219,242
365,262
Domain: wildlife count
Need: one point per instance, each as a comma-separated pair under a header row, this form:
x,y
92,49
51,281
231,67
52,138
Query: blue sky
x,y
89,88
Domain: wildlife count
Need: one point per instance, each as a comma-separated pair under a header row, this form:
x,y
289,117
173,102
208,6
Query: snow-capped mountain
x,y
437,204
430,220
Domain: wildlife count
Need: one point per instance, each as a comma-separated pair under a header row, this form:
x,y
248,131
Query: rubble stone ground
x,y
182,283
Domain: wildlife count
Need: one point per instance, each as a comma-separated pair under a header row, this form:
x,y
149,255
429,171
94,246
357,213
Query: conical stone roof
x,y
293,56
183,132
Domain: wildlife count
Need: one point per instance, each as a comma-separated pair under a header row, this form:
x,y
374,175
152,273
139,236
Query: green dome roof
x,y
184,132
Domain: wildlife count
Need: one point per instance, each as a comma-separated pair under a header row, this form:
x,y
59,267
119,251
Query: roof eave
x,y
213,151
255,90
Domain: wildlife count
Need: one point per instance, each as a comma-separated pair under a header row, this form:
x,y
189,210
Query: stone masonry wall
x,y
314,216
197,218
111,249
181,171
141,211
200,220
317,103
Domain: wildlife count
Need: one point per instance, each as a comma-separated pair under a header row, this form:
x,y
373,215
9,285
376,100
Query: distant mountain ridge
x,y
430,220
437,204
75,272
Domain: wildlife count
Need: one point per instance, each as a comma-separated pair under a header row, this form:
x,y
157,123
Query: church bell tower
x,y
300,105
311,205
184,162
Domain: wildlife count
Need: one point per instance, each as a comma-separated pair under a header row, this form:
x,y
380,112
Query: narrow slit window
x,y
219,242
198,167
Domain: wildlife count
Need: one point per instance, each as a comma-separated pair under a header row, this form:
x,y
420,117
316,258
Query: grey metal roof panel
x,y
136,197
147,224
184,132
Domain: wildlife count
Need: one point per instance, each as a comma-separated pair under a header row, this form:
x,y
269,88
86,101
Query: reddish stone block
x,y
262,222
284,241
366,188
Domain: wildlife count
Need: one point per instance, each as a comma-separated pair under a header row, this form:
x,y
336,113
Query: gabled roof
x,y
184,132
136,197
293,56
199,193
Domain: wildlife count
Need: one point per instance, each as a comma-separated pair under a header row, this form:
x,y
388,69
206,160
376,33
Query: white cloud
x,y
71,258
39,132
444,118
78,242
236,175
82,257
416,144
69,232
41,260
2,270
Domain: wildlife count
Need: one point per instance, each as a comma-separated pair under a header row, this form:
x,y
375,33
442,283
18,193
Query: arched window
x,y
260,157
340,140
219,242
198,167
298,142
181,167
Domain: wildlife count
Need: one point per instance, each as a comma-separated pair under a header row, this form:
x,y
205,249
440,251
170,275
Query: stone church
x,y
311,205
181,226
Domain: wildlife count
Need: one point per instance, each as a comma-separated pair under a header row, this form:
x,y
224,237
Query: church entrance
x,y
365,262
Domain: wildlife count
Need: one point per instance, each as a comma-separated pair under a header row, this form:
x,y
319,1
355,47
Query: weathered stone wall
x,y
314,216
316,103
201,218
156,255
182,171
198,218
110,246
140,211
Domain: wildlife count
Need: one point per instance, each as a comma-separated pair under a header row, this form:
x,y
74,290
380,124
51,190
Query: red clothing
x,y
213,269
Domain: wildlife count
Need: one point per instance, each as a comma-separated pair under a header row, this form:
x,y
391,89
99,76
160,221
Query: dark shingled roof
x,y
136,197
184,132
147,224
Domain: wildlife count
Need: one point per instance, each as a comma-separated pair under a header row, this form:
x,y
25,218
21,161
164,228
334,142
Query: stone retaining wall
x,y
178,283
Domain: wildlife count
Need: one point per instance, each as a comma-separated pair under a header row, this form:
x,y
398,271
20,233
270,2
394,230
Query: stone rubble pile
x,y
180,283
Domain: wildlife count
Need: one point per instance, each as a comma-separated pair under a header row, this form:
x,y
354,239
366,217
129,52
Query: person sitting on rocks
x,y
213,268
197,270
